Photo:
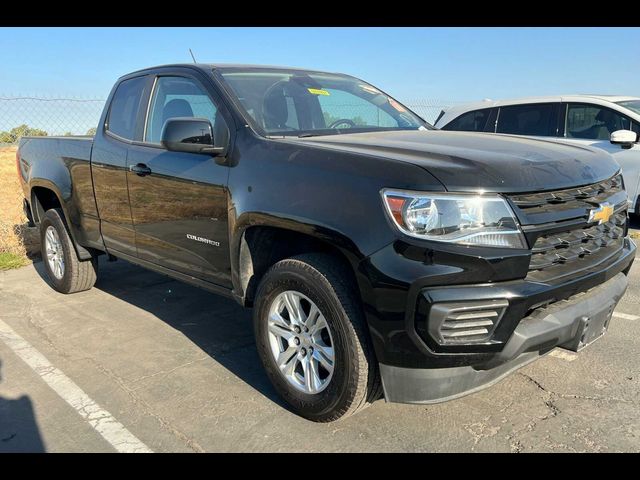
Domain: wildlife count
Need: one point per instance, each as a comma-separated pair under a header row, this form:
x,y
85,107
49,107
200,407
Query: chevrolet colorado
x,y
380,256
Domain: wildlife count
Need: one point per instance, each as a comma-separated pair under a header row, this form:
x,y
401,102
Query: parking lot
x,y
142,362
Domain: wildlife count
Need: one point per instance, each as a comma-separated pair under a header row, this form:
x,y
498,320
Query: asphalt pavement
x,y
145,363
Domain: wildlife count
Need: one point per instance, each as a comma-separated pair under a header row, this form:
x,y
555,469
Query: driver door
x,y
179,203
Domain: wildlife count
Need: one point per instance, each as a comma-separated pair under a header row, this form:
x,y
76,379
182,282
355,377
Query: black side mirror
x,y
186,134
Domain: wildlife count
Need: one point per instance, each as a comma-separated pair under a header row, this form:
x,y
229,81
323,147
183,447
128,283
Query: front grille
x,y
562,205
587,246
557,225
573,245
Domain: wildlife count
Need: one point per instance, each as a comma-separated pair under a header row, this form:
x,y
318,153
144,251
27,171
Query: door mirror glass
x,y
624,138
193,135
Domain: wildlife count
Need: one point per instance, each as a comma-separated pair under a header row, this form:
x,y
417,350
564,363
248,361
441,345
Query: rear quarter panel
x,y
63,166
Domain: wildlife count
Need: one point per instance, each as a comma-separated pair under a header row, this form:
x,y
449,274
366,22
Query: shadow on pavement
x,y
18,427
218,325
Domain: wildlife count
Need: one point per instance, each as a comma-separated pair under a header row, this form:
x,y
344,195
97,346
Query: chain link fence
x,y
428,109
47,115
52,115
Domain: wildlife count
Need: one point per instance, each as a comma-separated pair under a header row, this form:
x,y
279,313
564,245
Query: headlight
x,y
484,220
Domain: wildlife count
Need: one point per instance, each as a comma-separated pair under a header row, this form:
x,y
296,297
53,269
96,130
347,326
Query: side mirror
x,y
624,138
192,135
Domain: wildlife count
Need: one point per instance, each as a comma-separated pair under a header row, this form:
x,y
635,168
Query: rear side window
x,y
475,121
535,119
124,108
593,122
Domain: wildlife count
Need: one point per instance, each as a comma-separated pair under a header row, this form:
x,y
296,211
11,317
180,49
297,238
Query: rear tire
x,y
67,273
351,381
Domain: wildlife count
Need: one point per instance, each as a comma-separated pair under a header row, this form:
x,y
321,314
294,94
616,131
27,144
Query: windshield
x,y
633,105
299,103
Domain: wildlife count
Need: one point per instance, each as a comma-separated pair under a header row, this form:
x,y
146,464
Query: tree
x,y
92,131
13,135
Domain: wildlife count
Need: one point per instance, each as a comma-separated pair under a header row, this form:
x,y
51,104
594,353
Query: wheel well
x,y
43,199
263,246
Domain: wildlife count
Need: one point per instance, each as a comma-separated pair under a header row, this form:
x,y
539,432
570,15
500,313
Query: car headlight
x,y
483,220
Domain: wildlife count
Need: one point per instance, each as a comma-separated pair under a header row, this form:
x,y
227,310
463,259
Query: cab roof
x,y
223,66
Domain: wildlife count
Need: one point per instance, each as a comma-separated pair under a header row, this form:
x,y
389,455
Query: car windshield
x,y
300,103
633,105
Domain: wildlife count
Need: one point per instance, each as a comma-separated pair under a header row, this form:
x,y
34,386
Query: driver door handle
x,y
140,169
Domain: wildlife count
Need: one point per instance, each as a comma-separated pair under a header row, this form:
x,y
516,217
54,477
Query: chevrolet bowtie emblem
x,y
601,214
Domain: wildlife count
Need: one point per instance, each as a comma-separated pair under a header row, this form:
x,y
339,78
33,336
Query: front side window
x,y
475,121
537,119
593,122
300,103
125,105
177,97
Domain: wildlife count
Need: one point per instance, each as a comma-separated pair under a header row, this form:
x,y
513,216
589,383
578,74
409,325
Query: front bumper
x,y
561,324
400,282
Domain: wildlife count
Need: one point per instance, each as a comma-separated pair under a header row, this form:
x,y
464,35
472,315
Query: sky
x,y
448,64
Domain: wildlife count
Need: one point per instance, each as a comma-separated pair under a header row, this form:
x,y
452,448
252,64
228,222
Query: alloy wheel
x,y
301,342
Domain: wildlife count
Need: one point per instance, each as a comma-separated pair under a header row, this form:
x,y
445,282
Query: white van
x,y
605,121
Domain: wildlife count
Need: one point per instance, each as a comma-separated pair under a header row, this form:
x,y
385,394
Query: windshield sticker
x,y
318,91
396,105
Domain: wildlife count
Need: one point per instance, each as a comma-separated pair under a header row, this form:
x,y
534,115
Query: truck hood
x,y
465,161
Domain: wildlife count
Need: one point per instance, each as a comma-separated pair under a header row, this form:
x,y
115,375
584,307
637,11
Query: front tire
x,y
67,273
312,339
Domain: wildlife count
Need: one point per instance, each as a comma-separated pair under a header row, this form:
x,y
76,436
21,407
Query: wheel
x,y
312,340
68,274
343,121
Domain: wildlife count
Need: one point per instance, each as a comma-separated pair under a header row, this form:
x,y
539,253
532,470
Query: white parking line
x,y
626,316
102,421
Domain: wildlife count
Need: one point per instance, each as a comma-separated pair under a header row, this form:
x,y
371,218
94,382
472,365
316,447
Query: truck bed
x,y
61,164
34,150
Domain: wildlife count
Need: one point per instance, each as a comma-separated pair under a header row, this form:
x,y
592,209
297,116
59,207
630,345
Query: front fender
x,y
321,233
332,196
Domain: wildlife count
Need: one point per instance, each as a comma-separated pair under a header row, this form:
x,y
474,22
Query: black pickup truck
x,y
380,256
